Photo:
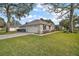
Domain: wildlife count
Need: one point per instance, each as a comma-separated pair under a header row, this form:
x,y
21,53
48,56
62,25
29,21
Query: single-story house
x,y
38,26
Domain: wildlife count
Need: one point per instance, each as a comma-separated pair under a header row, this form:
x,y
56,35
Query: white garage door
x,y
33,29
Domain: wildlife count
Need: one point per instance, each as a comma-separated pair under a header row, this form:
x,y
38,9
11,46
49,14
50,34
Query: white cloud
x,y
39,6
30,20
30,16
56,21
44,18
44,9
34,16
35,9
40,17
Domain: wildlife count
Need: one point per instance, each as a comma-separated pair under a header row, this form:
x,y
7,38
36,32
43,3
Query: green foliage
x,y
14,22
60,8
65,23
23,9
18,9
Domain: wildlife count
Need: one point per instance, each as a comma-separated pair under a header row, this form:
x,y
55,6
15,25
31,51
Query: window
x,y
44,27
49,27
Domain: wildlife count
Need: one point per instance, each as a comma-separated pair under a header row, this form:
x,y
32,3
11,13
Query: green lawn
x,y
52,44
3,32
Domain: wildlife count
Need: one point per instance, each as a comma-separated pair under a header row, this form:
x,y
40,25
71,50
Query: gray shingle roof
x,y
38,22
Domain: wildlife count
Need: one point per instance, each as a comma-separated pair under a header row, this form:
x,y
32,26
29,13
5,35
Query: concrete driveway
x,y
6,36
13,35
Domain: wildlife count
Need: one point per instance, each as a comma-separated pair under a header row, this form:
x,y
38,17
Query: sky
x,y
40,12
37,13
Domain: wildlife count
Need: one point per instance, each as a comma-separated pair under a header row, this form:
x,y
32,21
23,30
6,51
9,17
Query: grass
x,y
53,44
3,32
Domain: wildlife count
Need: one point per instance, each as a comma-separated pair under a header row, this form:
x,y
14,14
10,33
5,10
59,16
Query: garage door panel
x,y
33,29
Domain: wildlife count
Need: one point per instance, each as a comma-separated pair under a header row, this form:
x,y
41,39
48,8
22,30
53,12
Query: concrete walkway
x,y
6,36
46,33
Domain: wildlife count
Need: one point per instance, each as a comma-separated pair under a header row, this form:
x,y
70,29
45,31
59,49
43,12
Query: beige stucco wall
x,y
51,28
47,28
41,29
37,28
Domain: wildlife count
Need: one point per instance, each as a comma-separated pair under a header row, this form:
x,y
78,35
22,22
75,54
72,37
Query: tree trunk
x,y
7,26
71,18
8,18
